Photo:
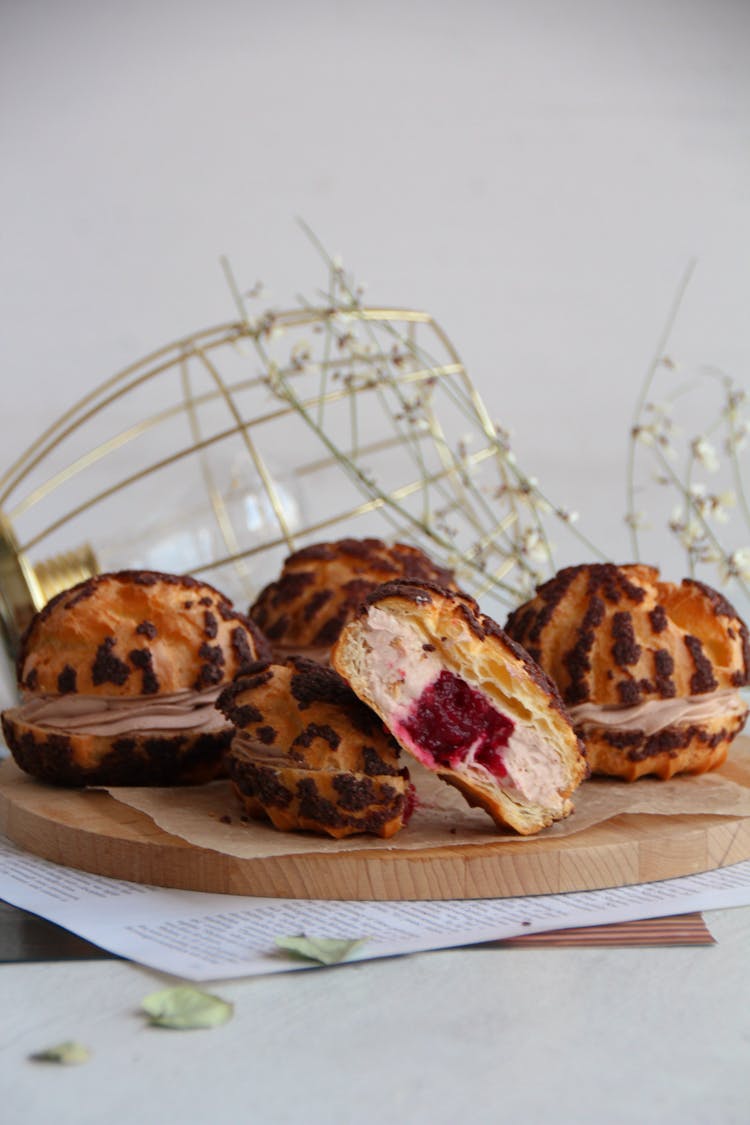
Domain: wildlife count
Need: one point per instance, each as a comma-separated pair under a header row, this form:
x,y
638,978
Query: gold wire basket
x,y
220,453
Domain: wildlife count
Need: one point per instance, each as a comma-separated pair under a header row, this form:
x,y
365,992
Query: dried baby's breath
x,y
703,471
462,494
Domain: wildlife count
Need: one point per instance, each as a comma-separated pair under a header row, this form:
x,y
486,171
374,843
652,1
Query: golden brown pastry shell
x,y
311,756
688,748
136,633
307,710
619,636
327,801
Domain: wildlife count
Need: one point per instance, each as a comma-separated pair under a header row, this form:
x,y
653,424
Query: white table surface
x,y
476,1035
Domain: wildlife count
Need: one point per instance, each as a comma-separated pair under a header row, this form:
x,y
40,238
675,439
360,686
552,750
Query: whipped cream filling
x,y
656,714
401,665
263,755
109,715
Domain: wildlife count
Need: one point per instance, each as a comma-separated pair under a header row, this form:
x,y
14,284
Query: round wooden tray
x,y
91,831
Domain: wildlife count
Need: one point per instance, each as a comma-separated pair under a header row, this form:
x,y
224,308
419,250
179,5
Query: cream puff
x,y
119,677
465,701
309,756
650,670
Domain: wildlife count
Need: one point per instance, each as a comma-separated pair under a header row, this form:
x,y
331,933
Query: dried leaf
x,y
185,1008
68,1053
326,951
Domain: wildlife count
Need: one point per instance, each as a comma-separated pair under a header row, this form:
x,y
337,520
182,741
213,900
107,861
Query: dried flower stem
x,y
653,367
468,402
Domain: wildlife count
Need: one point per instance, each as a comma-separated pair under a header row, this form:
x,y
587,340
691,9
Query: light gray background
x,y
538,175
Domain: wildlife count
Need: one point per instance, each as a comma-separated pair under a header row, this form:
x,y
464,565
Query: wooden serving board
x,y
91,831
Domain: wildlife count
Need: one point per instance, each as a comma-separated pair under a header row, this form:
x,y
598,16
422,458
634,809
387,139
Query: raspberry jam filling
x,y
450,717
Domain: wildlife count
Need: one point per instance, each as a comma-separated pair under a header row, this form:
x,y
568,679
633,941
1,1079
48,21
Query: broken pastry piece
x,y
308,755
119,677
465,700
321,587
650,670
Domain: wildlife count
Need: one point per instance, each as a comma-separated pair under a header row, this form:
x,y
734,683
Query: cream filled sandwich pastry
x,y
465,701
119,677
308,755
651,671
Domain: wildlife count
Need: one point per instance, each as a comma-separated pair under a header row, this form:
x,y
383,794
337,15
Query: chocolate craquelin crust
x,y
379,802
625,649
375,766
66,681
576,659
137,760
317,730
211,672
551,595
668,741
703,679
658,618
143,659
629,692
314,683
108,668
664,667
259,781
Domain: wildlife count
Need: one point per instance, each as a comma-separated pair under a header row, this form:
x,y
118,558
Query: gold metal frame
x,y
393,362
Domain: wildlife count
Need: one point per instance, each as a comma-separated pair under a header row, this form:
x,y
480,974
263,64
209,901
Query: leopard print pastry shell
x,y
119,677
650,670
308,756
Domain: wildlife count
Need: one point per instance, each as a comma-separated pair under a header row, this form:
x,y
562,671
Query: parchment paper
x,y
442,818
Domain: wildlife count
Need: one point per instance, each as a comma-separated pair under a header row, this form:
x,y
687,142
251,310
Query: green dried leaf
x,y
68,1053
326,951
185,1008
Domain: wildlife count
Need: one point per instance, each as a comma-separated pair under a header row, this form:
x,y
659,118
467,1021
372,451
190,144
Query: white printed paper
x,y
204,937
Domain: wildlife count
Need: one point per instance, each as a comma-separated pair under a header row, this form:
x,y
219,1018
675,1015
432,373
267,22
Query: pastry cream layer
x,y
656,714
104,715
402,664
262,755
